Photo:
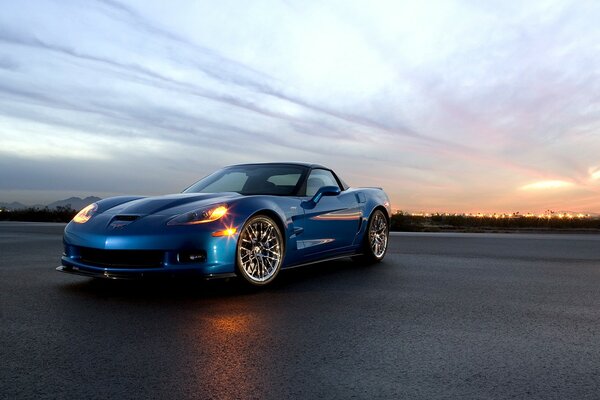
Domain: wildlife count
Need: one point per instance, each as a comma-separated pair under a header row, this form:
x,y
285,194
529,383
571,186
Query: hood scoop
x,y
119,221
125,218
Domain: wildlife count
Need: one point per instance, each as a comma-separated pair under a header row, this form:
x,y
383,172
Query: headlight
x,y
84,215
201,216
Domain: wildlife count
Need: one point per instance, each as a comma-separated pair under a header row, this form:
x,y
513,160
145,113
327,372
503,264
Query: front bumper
x,y
146,250
105,273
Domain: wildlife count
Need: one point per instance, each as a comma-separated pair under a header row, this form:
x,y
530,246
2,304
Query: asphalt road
x,y
458,316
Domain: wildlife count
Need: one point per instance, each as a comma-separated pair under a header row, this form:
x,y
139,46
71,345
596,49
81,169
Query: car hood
x,y
170,204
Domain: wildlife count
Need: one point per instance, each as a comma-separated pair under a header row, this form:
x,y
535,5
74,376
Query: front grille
x,y
121,258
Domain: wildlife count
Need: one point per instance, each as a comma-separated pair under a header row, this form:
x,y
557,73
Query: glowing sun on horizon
x,y
545,185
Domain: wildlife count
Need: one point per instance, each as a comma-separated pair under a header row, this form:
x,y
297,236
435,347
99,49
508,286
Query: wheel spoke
x,y
259,250
378,235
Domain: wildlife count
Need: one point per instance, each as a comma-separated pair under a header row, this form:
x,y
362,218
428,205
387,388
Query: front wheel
x,y
259,250
376,238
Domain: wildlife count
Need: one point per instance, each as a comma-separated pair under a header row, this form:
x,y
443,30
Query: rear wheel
x,y
259,250
376,238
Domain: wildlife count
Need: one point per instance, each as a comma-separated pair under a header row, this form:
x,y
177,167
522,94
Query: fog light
x,y
191,257
226,232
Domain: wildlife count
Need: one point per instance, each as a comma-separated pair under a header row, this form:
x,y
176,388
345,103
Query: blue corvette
x,y
247,220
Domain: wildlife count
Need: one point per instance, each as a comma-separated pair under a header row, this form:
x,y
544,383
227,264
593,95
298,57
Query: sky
x,y
450,106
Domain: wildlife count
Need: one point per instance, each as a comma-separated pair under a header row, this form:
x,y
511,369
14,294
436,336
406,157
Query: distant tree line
x,y
58,214
402,221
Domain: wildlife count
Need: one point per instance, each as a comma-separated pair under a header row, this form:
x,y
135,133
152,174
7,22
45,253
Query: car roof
x,y
302,164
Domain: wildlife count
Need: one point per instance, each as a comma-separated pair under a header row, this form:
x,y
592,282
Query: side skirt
x,y
323,260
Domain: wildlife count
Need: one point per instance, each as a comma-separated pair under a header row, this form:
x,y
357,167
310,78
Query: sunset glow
x,y
547,185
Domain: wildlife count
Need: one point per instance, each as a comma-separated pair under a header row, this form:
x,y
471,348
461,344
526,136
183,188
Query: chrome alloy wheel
x,y
378,235
260,250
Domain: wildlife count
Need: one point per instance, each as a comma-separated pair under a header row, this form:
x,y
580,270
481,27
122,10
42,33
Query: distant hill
x,y
75,203
15,205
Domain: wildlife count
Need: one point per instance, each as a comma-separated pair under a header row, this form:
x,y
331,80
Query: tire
x,y
259,251
375,242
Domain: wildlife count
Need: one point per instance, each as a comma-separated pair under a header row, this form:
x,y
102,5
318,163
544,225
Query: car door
x,y
331,223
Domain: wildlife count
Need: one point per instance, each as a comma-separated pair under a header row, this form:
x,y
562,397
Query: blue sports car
x,y
248,220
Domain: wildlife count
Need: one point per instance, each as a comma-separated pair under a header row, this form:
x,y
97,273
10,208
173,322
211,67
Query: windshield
x,y
277,180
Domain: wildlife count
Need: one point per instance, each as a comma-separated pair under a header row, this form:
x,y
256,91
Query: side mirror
x,y
323,191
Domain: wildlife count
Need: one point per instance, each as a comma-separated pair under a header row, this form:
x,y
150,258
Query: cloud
x,y
448,105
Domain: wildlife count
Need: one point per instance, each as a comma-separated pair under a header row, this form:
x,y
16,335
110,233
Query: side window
x,y
284,180
319,178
